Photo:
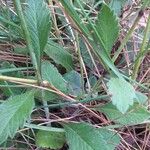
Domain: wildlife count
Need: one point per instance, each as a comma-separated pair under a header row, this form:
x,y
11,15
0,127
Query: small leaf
x,y
74,82
38,22
52,140
13,114
59,55
136,114
83,136
123,93
51,74
107,27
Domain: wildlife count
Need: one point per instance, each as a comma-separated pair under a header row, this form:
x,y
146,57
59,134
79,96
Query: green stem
x,y
27,38
127,37
31,50
80,62
44,128
13,79
142,49
87,100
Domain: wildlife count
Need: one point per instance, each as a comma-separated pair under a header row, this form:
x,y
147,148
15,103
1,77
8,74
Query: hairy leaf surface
x,y
59,55
85,137
13,114
74,82
107,27
123,93
38,23
52,140
51,74
135,115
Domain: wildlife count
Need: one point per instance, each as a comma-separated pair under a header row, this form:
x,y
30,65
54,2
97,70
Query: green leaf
x,y
21,50
44,128
146,3
13,114
38,22
85,54
123,93
107,27
9,69
117,5
74,82
51,74
85,137
102,55
141,98
52,140
59,55
72,13
136,114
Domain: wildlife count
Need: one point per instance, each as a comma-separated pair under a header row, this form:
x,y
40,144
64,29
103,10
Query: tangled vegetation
x,y
75,74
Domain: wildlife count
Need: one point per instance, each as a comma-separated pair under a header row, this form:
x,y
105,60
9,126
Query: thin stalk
x,y
29,46
82,65
9,22
14,79
44,128
27,38
54,19
87,100
127,37
8,88
46,109
48,87
14,69
142,49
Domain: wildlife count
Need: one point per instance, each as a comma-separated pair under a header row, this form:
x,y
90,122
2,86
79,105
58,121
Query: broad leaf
x,y
38,23
136,114
52,140
13,114
107,27
123,93
74,82
59,55
51,74
85,137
